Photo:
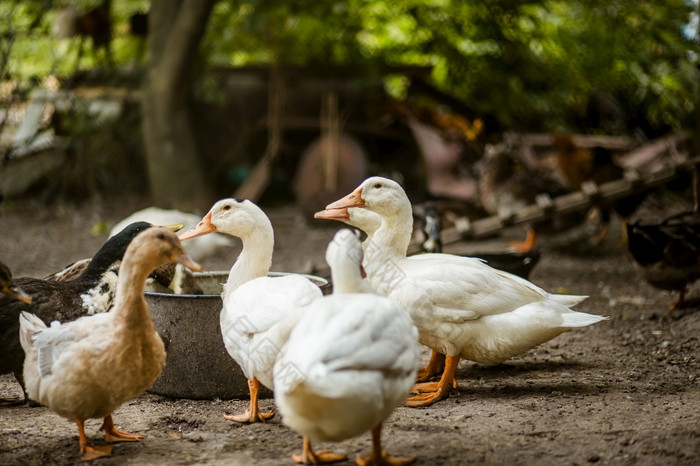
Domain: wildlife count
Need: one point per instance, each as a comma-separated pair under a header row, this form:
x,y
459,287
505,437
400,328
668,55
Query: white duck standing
x,y
369,222
258,311
87,368
462,307
349,361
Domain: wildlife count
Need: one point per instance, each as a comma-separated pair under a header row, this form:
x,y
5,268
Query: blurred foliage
x,y
534,65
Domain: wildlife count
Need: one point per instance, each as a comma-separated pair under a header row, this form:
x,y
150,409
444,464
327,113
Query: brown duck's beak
x,y
174,227
17,293
181,257
354,199
202,228
333,214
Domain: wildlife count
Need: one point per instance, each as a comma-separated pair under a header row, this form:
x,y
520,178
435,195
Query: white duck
x,y
87,368
198,249
349,361
258,311
462,307
369,222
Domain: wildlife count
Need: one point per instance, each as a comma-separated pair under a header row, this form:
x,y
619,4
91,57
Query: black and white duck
x,y
91,292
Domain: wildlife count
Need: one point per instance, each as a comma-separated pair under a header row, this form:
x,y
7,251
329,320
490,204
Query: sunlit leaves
x,y
531,63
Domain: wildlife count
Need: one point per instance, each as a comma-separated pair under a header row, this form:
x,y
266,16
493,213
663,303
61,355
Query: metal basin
x,y
197,365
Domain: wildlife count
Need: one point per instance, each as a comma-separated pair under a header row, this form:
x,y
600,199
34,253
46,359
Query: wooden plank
x,y
621,143
647,158
578,201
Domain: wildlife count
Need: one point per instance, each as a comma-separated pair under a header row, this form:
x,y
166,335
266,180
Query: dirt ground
x,y
624,391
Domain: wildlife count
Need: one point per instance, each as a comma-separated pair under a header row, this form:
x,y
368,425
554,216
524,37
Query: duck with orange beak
x,y
462,307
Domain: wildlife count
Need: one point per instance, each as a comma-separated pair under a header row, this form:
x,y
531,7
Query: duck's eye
x,y
378,185
227,207
161,236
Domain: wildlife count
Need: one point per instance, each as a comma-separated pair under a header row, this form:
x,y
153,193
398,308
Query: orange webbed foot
x,y
90,452
319,457
113,435
426,399
425,387
680,302
120,436
429,393
384,460
308,456
253,413
434,368
430,387
250,418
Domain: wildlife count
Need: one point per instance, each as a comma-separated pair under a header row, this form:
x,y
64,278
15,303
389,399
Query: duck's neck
x,y
254,260
386,250
393,236
130,306
348,279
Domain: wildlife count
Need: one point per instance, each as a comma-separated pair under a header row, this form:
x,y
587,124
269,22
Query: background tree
x,y
535,65
175,173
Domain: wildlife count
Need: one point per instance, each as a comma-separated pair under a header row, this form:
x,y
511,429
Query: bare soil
x,y
624,391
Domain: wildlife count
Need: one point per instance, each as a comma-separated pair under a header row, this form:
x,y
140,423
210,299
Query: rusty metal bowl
x,y
197,365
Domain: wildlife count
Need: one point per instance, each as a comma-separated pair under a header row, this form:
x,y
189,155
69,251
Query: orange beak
x,y
354,199
17,293
333,214
181,257
202,228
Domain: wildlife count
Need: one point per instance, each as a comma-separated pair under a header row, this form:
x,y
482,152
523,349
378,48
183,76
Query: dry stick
x,y
330,124
253,186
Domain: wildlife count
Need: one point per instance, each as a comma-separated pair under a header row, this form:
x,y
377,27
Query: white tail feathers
x,y
29,324
572,318
568,300
580,319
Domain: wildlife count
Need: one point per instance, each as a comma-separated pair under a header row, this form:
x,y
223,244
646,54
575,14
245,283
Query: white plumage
x,y
462,307
349,361
258,311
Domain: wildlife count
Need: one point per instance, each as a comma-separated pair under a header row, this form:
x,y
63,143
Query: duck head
x,y
240,218
377,194
9,288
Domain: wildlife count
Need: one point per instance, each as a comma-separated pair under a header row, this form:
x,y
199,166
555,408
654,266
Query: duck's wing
x,y
374,341
70,272
257,318
463,288
374,336
259,304
51,300
55,341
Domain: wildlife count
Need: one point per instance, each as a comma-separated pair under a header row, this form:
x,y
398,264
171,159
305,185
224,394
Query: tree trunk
x,y
176,177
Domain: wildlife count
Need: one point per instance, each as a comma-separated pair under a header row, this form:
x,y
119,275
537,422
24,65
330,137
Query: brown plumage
x,y
91,292
507,184
87,368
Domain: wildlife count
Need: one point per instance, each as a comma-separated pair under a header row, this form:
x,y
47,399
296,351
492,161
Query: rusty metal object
x,y
197,365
